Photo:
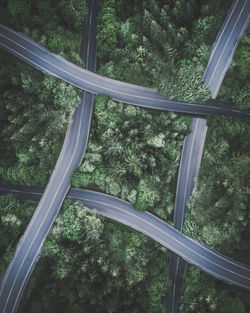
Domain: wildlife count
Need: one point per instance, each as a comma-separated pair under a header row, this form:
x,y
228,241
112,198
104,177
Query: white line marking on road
x,y
81,198
173,238
188,169
179,178
60,58
215,93
58,163
175,277
20,290
193,133
173,249
32,219
111,216
48,210
83,71
90,22
225,46
42,200
108,89
224,28
202,245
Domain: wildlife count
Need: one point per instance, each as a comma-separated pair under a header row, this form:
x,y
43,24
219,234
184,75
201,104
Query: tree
x,y
107,35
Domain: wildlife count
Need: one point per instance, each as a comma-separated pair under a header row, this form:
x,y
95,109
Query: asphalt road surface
x,y
39,57
220,59
226,42
190,250
176,269
29,247
188,170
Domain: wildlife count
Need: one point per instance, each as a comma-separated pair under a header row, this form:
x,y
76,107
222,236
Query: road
x,y
176,269
39,57
226,42
190,250
188,170
29,247
220,59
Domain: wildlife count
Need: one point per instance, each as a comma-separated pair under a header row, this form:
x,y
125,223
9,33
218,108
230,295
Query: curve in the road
x,y
39,57
227,40
194,252
28,249
188,170
30,245
220,59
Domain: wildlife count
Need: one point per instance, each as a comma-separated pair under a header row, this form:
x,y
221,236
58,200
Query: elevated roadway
x,y
49,63
225,44
192,251
27,253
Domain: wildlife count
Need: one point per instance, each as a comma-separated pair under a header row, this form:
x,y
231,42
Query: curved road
x,y
39,57
29,247
188,170
190,250
27,252
226,42
220,59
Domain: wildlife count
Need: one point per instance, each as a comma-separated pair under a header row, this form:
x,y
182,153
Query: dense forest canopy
x,y
90,264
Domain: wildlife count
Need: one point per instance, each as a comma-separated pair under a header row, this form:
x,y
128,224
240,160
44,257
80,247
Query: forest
x,y
90,263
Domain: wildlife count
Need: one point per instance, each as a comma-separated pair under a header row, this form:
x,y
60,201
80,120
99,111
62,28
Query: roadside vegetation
x,y
35,109
236,84
133,154
219,214
89,263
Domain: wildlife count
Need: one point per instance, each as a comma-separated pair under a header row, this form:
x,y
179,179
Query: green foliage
x,y
133,154
203,294
160,46
86,263
187,84
236,85
166,44
14,217
55,24
36,110
73,12
107,35
218,215
19,9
